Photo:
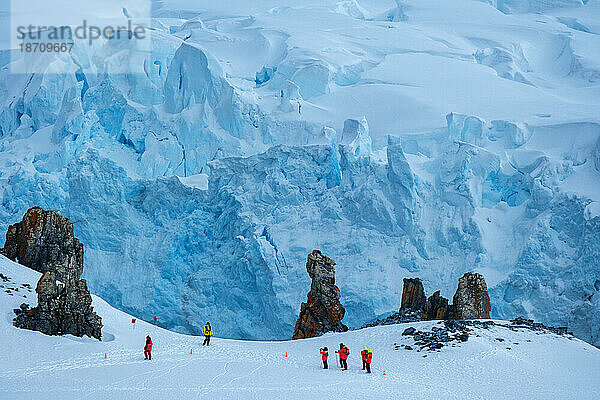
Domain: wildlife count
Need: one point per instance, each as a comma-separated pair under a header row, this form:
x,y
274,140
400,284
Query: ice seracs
x,y
503,186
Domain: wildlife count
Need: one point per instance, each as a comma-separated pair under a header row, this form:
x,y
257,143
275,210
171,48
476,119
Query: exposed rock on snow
x,y
520,323
450,332
322,311
471,300
44,241
62,309
436,307
397,318
453,332
413,295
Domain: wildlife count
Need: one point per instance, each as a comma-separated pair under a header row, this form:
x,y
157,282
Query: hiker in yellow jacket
x,y
207,334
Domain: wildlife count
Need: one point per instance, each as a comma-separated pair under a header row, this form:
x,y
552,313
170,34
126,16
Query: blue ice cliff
x,y
116,141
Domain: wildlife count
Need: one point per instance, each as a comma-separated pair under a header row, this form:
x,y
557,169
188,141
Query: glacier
x,y
400,138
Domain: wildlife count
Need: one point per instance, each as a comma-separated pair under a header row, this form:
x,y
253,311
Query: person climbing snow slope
x,y
207,334
148,349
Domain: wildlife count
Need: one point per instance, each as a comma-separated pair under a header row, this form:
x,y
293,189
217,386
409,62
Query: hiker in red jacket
x,y
344,353
148,349
363,356
368,359
324,354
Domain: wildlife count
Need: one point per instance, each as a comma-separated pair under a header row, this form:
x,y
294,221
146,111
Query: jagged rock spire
x,y
44,241
436,307
413,295
322,311
471,300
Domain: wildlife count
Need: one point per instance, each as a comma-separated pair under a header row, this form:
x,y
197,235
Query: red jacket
x,y
363,355
148,346
324,355
343,353
368,358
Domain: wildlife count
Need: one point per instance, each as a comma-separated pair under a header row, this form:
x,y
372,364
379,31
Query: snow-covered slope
x,y
401,138
35,366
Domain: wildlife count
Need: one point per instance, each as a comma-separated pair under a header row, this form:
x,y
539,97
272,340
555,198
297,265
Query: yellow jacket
x,y
207,330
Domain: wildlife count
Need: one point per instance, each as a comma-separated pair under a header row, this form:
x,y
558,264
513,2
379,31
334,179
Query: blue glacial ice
x,y
512,199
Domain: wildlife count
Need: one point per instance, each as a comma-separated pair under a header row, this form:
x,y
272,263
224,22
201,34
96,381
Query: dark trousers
x,y
368,368
147,355
364,364
206,340
325,364
344,364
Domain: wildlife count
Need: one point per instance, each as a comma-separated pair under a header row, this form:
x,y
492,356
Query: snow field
x,y
34,366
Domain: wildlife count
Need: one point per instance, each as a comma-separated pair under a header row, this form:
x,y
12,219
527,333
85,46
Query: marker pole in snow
x,y
286,353
383,372
105,356
190,351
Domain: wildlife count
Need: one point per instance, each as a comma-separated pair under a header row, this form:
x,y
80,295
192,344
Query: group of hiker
x,y
343,353
148,346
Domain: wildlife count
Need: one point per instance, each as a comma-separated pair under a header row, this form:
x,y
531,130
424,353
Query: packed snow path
x,y
35,366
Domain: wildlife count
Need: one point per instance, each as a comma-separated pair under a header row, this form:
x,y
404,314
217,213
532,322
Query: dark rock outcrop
x,y
44,241
445,333
62,309
413,295
322,311
436,307
409,331
411,308
397,318
453,332
523,323
471,300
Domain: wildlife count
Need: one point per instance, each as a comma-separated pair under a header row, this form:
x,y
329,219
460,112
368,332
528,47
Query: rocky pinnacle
x,y
471,300
44,241
413,295
322,311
